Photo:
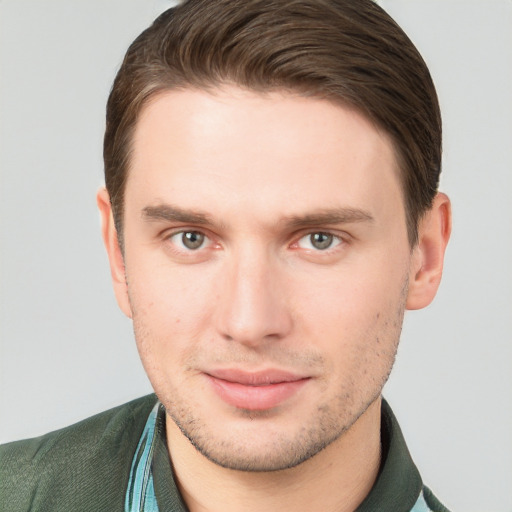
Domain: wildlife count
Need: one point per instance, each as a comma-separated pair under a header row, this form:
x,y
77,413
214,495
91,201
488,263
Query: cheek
x,y
355,316
348,301
170,308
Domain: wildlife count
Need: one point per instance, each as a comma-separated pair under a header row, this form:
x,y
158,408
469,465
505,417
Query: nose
x,y
253,308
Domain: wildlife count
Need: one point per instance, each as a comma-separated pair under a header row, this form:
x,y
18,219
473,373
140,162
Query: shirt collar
x,y
396,489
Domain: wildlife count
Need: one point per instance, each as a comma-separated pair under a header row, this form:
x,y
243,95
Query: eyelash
x,y
337,239
183,232
334,238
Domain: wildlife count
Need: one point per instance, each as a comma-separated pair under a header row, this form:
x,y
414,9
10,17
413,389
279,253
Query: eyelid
x,y
212,242
342,237
168,234
180,236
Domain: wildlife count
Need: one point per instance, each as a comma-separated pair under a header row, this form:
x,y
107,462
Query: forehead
x,y
251,150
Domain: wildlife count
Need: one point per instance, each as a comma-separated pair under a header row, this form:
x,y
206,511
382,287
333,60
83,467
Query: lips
x,y
255,391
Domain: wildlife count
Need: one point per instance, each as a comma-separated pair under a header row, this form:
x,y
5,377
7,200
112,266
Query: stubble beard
x,y
281,451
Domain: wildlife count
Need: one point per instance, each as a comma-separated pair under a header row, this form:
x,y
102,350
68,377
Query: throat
x,y
338,478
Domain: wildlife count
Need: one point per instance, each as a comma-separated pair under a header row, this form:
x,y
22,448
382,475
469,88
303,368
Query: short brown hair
x,y
348,51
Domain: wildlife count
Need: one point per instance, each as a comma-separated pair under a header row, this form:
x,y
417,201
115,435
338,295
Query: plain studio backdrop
x,y
66,350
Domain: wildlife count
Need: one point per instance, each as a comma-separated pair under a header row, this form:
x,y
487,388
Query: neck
x,y
338,478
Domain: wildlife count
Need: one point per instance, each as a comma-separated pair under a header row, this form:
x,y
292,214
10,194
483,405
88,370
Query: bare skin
x,y
266,268
326,482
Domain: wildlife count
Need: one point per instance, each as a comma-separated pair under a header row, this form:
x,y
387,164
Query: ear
x,y
428,255
115,255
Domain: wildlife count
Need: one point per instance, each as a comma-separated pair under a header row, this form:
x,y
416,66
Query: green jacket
x,y
86,467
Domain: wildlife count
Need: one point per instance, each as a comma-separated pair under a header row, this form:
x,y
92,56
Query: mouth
x,y
255,391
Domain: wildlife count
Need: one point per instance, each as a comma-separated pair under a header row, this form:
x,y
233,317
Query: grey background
x,y
66,352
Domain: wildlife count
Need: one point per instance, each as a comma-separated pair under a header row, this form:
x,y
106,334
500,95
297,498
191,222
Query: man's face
x,y
267,263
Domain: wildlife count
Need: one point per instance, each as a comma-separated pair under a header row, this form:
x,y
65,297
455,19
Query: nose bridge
x,y
253,305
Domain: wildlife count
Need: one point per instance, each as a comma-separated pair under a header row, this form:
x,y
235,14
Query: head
x,y
348,52
271,212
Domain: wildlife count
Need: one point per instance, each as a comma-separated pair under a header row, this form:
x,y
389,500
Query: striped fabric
x,y
140,494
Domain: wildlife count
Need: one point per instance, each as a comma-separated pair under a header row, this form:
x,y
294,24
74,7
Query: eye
x,y
319,241
189,240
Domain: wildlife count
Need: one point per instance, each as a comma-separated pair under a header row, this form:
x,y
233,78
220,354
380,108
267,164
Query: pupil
x,y
192,239
321,240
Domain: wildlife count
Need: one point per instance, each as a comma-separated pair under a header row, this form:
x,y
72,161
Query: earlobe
x,y
428,255
115,255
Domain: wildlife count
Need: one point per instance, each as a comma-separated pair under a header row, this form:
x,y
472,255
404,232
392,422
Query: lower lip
x,y
255,398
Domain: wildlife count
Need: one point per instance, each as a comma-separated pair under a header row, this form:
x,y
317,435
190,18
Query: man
x,y
270,211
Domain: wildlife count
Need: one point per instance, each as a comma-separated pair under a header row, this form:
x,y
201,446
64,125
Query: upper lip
x,y
255,378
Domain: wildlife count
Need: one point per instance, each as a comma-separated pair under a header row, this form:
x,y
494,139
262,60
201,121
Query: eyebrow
x,y
173,214
330,216
170,213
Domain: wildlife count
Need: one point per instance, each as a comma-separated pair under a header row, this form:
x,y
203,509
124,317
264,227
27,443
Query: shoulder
x,y
80,467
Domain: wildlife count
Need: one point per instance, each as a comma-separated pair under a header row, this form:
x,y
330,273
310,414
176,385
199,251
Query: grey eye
x,y
192,239
321,241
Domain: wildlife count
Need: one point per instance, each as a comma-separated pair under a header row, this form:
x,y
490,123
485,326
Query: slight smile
x,y
255,391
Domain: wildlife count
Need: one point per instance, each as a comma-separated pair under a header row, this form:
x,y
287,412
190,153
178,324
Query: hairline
x,y
214,86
